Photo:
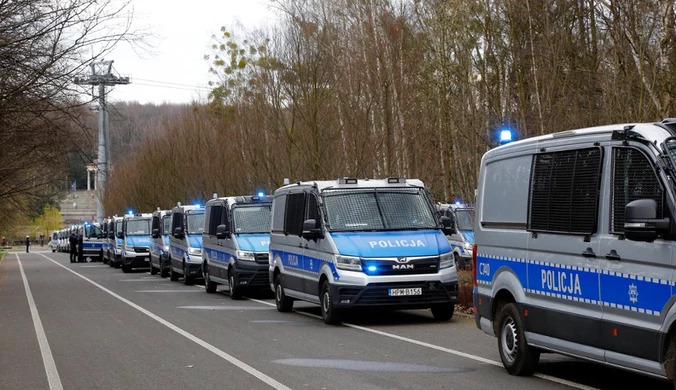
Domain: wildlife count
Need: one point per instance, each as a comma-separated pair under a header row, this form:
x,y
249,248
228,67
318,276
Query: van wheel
x,y
517,356
443,312
173,276
153,271
126,269
456,261
235,290
208,284
284,303
330,314
164,269
186,279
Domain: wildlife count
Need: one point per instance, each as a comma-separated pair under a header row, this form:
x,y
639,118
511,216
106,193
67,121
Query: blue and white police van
x,y
114,241
54,240
461,238
136,241
159,251
575,237
185,242
352,243
235,243
92,240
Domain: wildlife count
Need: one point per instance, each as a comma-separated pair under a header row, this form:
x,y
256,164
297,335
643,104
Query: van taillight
x,y
474,250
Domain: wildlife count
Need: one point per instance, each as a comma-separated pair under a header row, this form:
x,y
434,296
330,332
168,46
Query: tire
x,y
517,356
284,303
443,312
164,270
53,250
153,271
173,276
330,314
209,286
456,261
118,262
125,269
186,280
235,290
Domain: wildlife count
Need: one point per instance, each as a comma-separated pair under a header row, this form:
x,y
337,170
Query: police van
x,y
159,251
354,243
92,240
462,237
63,242
104,233
185,242
136,241
575,237
114,241
235,243
54,241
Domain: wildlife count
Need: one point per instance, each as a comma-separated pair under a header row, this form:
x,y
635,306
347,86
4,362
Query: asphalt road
x,y
88,326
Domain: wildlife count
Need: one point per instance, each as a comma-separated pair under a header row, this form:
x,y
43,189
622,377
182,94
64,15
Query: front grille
x,y
141,249
255,279
378,294
427,265
261,258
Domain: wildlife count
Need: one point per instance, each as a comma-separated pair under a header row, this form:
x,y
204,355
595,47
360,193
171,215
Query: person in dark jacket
x,y
73,247
28,243
80,248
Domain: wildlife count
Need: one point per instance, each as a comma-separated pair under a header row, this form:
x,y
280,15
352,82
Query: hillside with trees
x,y
403,88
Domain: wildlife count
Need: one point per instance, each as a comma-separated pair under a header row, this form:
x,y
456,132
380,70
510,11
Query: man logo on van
x,y
402,266
565,282
396,243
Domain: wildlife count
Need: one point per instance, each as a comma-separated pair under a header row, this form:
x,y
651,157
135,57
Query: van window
x,y
564,191
194,223
214,215
251,219
633,178
295,212
176,222
278,210
313,208
166,224
156,222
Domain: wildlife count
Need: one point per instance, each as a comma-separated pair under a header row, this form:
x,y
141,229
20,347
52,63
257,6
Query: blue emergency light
x,y
506,136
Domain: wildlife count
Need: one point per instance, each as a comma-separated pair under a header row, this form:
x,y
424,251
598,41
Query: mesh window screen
x,y
633,179
295,212
251,219
166,224
378,210
214,218
312,209
564,191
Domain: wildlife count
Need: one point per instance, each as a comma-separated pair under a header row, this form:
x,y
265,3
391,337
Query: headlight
x,y
348,263
129,249
195,251
468,246
446,260
166,248
246,256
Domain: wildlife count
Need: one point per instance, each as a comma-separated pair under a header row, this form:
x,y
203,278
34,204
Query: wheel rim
x,y
232,282
278,292
326,301
509,340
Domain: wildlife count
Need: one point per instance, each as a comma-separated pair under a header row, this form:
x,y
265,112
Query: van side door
x,y
315,252
564,311
291,244
635,276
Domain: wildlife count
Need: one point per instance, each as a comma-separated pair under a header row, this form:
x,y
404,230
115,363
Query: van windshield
x,y
92,231
465,219
118,227
251,219
138,227
195,223
166,224
378,209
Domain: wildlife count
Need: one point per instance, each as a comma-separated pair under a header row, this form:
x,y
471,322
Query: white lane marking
x,y
47,358
144,280
167,291
92,266
222,354
439,348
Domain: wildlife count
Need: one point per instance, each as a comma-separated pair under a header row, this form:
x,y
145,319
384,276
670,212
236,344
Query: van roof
x,y
652,132
349,183
243,199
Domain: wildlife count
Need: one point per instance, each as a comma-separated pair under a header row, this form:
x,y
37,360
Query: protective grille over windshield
x,y
378,209
465,219
139,227
252,219
92,231
195,223
166,221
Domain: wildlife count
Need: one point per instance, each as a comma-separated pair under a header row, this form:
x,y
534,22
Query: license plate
x,y
396,292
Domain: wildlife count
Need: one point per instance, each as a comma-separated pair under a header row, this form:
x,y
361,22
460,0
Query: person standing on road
x,y
80,248
28,243
73,247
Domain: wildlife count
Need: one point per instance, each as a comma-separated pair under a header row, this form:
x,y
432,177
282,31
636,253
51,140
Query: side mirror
x,y
178,232
310,230
222,232
111,235
120,235
447,225
156,233
641,223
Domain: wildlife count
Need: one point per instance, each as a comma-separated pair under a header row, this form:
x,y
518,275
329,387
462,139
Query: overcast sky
x,y
183,31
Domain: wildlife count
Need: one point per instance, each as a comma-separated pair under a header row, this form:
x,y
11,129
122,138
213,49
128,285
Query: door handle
x,y
613,255
589,253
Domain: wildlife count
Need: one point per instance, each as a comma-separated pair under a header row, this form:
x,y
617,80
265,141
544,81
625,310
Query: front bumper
x,y
136,260
377,295
193,270
252,275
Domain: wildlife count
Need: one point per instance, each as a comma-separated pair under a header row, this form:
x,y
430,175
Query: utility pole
x,y
102,76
